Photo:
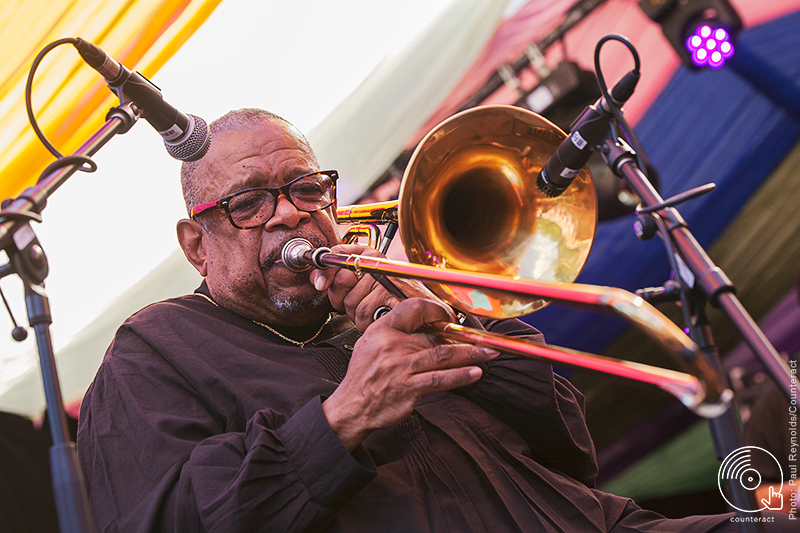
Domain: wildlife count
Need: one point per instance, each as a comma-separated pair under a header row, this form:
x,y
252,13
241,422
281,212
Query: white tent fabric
x,y
364,134
360,137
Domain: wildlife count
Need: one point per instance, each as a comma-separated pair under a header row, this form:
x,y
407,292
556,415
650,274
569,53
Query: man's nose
x,y
286,214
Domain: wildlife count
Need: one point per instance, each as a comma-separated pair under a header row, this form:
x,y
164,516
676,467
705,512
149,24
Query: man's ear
x,y
190,237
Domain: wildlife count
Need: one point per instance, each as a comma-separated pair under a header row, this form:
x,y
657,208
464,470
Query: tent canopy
x,y
68,98
695,127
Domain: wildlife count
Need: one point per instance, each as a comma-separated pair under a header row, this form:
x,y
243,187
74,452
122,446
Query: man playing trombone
x,y
271,400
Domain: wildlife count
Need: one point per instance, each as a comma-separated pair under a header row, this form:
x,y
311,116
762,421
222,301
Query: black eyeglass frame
x,y
223,203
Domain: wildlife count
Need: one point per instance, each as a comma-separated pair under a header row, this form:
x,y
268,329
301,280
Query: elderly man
x,y
273,401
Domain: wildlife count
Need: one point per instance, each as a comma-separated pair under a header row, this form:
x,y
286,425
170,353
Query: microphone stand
x,y
709,284
28,261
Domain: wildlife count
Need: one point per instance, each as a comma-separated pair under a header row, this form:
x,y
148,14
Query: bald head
x,y
192,172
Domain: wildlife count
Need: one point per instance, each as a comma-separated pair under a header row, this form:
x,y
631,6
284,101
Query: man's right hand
x,y
392,367
359,297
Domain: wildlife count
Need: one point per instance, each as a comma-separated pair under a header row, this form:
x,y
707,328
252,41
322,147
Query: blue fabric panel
x,y
706,126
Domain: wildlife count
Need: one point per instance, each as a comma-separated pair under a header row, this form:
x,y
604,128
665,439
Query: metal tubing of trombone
x,y
370,231
299,254
688,389
379,212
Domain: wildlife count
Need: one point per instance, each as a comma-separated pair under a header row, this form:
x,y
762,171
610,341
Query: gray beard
x,y
295,305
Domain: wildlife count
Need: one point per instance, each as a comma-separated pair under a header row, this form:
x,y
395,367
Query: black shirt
x,y
201,420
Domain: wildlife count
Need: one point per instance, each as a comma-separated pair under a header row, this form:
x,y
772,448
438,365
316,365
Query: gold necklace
x,y
301,344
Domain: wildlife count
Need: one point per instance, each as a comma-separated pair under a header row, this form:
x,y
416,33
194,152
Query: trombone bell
x,y
469,201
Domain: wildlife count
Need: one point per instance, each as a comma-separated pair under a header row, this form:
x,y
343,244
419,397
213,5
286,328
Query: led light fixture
x,y
709,46
701,31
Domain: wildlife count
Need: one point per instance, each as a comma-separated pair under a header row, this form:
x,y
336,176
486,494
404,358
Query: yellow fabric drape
x,y
69,98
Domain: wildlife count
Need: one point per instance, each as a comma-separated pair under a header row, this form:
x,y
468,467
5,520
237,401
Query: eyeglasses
x,y
254,207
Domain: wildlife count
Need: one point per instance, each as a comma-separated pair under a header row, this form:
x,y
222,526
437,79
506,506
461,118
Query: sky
x,y
298,59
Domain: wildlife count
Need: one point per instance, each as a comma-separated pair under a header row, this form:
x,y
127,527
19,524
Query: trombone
x,y
481,236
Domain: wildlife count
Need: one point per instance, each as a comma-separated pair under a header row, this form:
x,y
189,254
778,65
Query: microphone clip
x,y
128,113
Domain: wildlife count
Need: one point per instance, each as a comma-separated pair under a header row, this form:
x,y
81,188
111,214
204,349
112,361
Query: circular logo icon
x,y
738,468
750,479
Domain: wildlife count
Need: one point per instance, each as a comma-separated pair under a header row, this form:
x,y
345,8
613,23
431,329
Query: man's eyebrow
x,y
256,178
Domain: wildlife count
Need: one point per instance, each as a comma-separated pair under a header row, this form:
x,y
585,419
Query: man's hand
x,y
360,297
774,500
392,367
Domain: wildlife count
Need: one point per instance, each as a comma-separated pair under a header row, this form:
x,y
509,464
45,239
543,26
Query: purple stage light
x,y
700,57
694,42
709,46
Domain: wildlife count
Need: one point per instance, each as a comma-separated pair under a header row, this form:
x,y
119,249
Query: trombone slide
x,y
699,389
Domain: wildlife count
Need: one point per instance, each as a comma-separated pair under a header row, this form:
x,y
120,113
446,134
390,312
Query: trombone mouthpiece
x,y
293,254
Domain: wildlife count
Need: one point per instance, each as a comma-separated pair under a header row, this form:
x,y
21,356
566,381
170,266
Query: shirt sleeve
x,y
156,459
546,410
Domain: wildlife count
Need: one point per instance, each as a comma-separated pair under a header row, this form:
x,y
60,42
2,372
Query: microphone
x,y
186,137
586,132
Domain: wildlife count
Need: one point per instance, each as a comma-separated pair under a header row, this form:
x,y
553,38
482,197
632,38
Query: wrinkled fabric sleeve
x,y
157,459
546,410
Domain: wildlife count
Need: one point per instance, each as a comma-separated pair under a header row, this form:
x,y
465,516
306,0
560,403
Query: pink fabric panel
x,y
531,23
623,17
539,17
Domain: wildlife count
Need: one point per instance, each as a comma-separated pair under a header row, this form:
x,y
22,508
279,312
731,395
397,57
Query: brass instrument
x,y
484,239
469,201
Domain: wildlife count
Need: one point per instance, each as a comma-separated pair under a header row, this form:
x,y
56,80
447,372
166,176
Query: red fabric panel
x,y
539,17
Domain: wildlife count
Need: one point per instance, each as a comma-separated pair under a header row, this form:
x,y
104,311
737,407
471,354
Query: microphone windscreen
x,y
194,144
